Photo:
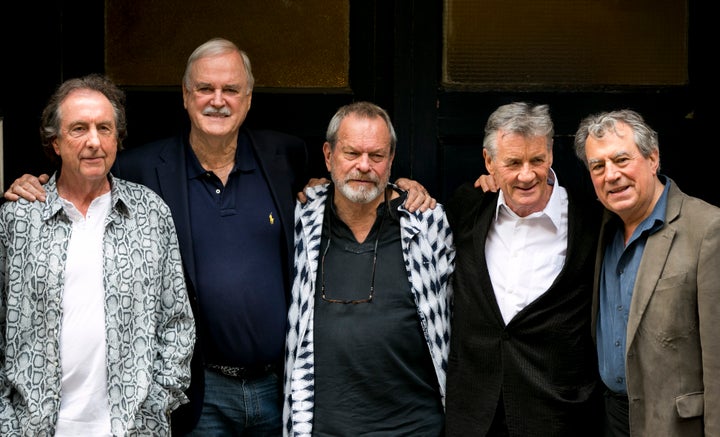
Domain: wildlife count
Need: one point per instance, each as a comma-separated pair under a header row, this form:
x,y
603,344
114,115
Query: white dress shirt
x,y
525,254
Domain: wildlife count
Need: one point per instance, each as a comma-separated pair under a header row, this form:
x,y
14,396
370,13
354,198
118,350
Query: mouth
x,y
617,190
526,189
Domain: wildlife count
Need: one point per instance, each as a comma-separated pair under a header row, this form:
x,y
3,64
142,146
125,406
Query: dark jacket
x,y
161,165
543,363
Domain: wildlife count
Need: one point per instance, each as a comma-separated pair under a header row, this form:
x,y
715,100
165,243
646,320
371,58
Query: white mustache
x,y
213,111
368,177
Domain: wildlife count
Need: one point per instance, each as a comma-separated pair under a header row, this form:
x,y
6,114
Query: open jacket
x,y
162,166
672,356
429,257
543,362
149,326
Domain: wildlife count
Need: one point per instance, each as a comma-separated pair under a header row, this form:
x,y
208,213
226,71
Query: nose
x,y
93,137
217,99
611,171
526,174
364,164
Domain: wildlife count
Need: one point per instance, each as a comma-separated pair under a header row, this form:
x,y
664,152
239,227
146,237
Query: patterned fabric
x,y
149,326
429,259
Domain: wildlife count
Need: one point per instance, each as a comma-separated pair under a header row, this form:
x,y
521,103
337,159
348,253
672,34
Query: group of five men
x,y
523,310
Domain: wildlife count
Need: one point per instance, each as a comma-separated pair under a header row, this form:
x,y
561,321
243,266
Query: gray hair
x,y
215,47
51,119
362,110
519,118
601,124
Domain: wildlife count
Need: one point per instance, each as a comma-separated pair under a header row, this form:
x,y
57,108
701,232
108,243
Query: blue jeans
x,y
239,407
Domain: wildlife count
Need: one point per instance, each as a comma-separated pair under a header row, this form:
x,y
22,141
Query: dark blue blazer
x,y
161,165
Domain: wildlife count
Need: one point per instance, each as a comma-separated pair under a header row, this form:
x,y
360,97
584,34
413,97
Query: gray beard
x,y
361,195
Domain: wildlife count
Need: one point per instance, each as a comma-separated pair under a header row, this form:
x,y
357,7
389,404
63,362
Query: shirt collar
x,y
244,158
656,219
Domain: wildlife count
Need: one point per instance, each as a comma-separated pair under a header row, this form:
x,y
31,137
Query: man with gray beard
x,y
368,334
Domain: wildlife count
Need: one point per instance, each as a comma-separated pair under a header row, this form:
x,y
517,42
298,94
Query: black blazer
x,y
161,165
543,363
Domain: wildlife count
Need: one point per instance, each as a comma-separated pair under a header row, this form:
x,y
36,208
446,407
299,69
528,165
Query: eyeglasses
x,y
372,278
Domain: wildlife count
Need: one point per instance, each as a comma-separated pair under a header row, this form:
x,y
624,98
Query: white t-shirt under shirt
x,y
84,407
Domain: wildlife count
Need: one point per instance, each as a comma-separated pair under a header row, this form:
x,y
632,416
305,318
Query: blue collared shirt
x,y
617,280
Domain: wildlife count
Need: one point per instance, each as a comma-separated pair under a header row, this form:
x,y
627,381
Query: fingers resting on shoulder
x,y
311,183
27,187
418,197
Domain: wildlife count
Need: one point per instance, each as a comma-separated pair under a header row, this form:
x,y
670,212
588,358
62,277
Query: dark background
x,y
395,59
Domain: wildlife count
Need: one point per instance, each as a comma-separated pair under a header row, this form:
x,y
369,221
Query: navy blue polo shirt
x,y
238,248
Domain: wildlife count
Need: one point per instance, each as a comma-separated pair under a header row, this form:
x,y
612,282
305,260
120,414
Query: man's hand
x,y
486,183
28,187
311,183
417,198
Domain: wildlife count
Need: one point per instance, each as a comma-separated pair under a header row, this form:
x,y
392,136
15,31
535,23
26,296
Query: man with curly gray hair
x,y
656,297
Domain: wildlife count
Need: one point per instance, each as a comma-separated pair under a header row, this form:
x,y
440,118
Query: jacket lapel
x,y
172,181
485,219
653,262
275,173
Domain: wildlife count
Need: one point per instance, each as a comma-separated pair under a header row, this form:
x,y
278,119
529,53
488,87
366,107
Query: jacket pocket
x,y
690,405
672,281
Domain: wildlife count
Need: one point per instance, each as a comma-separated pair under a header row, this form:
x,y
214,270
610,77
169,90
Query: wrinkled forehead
x,y
85,103
367,133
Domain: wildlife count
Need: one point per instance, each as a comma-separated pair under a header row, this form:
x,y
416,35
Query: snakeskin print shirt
x,y
149,327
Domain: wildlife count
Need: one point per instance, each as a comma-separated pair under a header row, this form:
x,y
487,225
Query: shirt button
x,y
617,343
217,190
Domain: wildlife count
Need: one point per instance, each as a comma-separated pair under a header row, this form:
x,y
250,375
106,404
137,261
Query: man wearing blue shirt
x,y
656,298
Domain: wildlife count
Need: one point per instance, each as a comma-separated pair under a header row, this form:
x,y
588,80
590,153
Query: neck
x,y
81,193
633,219
214,152
359,217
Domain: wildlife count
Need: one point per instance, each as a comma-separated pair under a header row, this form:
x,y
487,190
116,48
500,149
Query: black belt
x,y
250,372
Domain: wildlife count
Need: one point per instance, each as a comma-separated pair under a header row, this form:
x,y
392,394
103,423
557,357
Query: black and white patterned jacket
x,y
429,259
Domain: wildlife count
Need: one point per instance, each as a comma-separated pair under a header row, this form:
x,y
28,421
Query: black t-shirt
x,y
373,371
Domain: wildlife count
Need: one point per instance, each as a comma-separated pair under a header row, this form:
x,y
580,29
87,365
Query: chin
x,y
216,129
